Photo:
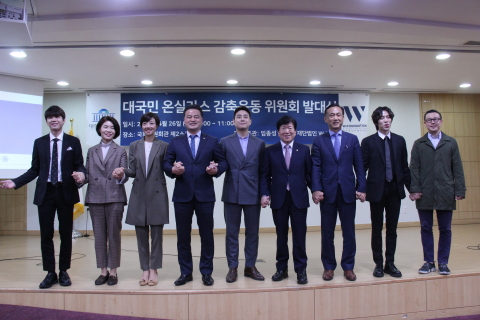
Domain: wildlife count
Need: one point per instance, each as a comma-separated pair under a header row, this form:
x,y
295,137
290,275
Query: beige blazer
x,y
102,186
149,198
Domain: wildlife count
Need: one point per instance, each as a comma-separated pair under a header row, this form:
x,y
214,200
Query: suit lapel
x,y
141,156
251,147
378,142
187,145
111,151
99,155
203,142
237,147
279,152
328,142
151,156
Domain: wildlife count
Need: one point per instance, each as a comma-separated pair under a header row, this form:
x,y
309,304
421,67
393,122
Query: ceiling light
x,y
232,81
465,85
18,54
345,53
62,83
443,56
238,51
393,83
147,82
127,53
315,82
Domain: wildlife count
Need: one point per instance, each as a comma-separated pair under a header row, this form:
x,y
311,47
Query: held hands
x,y
459,198
362,196
7,184
317,196
415,196
178,168
212,168
118,173
265,201
78,176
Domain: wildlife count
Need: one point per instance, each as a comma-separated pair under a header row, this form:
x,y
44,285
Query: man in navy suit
x,y
56,157
337,160
285,175
241,192
193,159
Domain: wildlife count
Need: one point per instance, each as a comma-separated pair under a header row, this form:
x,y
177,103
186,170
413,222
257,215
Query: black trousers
x,y
390,203
54,202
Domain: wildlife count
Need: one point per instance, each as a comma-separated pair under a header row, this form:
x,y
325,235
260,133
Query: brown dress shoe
x,y
350,275
327,275
253,273
231,275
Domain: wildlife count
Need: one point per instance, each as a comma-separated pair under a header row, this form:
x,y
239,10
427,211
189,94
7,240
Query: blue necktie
x,y
336,144
192,144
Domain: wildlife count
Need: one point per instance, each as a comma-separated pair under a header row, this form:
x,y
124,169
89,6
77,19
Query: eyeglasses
x,y
432,120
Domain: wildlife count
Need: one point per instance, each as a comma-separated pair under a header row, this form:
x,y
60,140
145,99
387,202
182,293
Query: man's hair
x,y
114,121
54,111
334,105
242,108
431,111
149,116
193,106
378,113
286,120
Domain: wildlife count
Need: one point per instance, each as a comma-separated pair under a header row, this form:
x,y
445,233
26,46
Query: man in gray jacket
x,y
437,182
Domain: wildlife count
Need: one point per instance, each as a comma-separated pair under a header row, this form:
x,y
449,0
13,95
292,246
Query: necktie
x,y
192,144
54,170
336,145
287,160
388,161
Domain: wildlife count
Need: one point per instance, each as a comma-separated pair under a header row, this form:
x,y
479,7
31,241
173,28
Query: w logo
x,y
350,111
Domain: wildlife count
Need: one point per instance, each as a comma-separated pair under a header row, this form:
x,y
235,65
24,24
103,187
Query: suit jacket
x,y
72,160
328,171
241,184
195,181
102,187
373,153
149,197
275,175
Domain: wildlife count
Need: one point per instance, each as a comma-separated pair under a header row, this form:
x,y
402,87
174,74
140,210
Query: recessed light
x,y
237,51
315,82
345,53
62,83
443,56
393,83
127,53
18,54
232,81
465,85
147,82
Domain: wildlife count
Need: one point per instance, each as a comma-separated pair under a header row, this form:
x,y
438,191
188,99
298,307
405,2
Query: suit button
x,y
96,178
109,178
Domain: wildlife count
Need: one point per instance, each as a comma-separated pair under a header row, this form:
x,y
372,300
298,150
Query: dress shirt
x,y
105,148
243,143
283,148
59,149
332,137
435,140
381,135
148,148
197,140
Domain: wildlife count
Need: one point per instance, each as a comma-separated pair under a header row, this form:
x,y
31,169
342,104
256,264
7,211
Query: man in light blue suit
x,y
241,192
338,179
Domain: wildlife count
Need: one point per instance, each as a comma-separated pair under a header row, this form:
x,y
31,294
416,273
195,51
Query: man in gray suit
x,y
241,192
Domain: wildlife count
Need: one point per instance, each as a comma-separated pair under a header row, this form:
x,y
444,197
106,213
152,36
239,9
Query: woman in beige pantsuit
x,y
148,208
106,198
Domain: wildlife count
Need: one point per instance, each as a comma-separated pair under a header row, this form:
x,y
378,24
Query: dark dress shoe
x,y
207,279
232,275
302,276
253,273
350,275
280,275
102,279
112,280
184,278
49,281
378,271
64,279
392,270
327,275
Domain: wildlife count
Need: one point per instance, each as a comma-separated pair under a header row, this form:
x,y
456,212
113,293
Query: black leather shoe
x,y
280,275
392,270
231,275
378,271
102,279
252,272
184,278
207,279
64,279
49,281
302,276
112,280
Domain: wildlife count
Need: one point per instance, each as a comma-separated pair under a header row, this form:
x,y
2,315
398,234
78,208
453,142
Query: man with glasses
x,y
437,182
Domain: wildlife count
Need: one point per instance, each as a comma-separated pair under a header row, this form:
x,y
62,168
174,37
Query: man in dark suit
x,y
241,192
56,156
285,175
193,159
337,159
385,158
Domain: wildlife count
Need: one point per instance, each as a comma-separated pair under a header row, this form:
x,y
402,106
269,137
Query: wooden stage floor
x,y
413,294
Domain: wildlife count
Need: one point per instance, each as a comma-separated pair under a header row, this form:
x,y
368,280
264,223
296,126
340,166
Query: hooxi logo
x,y
358,111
